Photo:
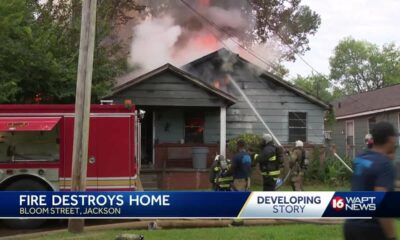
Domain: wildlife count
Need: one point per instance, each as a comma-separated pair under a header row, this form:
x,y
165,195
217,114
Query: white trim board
x,y
368,113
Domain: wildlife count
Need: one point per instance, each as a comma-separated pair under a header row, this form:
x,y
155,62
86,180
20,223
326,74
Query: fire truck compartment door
x,y
92,174
28,124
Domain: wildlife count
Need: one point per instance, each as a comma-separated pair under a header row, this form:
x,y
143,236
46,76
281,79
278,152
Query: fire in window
x,y
194,127
297,126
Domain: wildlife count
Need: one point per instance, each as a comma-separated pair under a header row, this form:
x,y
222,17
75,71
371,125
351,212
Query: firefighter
x,y
221,174
270,161
368,141
298,163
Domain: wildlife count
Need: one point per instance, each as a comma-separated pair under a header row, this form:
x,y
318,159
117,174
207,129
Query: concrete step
x,y
149,181
148,177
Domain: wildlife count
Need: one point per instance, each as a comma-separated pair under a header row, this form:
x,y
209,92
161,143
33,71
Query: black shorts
x,y
360,230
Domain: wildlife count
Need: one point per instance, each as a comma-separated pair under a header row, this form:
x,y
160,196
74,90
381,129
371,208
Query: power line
x,y
220,29
232,37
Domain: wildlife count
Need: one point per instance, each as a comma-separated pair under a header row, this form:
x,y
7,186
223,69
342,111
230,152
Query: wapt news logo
x,y
354,204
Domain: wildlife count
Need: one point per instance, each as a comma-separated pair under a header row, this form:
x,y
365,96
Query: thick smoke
x,y
178,36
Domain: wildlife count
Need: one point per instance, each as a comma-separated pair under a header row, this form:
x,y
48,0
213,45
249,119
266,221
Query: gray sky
x,y
375,21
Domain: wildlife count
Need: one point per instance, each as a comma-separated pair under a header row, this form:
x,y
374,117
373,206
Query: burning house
x,y
197,106
183,80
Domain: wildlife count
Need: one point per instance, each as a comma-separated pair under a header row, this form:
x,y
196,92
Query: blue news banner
x,y
198,204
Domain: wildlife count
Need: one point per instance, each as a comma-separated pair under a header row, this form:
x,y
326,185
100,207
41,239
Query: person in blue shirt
x,y
374,171
241,168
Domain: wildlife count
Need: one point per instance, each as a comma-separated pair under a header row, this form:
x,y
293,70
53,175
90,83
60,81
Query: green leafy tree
x,y
288,21
359,66
317,85
39,48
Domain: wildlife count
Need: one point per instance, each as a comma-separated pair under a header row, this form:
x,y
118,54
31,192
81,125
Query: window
x,y
29,146
350,147
194,127
297,126
371,123
349,132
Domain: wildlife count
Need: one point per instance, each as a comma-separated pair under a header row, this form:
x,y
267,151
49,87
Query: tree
x,y
289,21
39,51
286,22
317,85
359,66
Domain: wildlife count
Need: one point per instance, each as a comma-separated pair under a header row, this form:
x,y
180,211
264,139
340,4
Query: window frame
x,y
369,125
305,127
185,116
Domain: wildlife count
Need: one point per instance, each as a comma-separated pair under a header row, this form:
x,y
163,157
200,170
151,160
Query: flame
x,y
203,3
217,84
199,45
207,41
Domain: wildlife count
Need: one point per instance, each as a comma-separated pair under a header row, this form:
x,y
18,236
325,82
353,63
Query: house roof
x,y
267,76
367,103
130,80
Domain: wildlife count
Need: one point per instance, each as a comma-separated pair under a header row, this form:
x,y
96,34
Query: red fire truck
x,y
36,147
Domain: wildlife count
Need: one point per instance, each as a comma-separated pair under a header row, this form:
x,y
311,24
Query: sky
x,y
376,21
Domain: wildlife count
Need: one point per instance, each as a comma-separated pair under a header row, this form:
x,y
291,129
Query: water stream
x,y
235,84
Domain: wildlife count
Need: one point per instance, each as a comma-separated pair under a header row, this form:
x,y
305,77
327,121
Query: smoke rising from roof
x,y
178,36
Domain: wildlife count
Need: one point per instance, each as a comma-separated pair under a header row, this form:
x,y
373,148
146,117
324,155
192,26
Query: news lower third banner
x,y
199,204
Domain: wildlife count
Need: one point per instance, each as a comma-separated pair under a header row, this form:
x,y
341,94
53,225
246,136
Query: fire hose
x,y
343,162
276,140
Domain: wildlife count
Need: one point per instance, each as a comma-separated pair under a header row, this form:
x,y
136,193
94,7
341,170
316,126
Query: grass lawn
x,y
276,232
271,232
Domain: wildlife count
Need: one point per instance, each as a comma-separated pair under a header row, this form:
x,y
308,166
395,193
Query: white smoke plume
x,y
179,36
153,42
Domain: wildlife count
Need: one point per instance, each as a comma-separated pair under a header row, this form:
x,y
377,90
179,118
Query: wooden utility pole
x,y
82,104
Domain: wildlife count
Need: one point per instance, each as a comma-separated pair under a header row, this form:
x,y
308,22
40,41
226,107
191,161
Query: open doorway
x,y
147,138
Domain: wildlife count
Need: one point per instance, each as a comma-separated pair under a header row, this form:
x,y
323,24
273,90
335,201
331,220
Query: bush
x,y
253,142
332,172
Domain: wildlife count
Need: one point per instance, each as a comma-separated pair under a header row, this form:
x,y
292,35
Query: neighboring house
x,y
197,106
357,114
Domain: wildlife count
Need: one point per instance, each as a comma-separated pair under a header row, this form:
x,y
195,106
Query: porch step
x,y
149,181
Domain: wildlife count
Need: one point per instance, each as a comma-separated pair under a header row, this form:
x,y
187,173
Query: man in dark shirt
x,y
241,167
374,171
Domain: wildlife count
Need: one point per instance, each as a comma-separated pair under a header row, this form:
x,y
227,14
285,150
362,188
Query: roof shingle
x,y
380,99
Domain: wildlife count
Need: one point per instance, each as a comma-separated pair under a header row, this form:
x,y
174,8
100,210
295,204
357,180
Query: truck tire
x,y
25,185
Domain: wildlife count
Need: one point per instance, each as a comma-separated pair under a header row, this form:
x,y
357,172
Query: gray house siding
x,y
274,106
170,96
272,101
212,126
170,125
361,128
168,89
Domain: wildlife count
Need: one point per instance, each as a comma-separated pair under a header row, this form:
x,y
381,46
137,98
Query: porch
x,y
182,113
169,137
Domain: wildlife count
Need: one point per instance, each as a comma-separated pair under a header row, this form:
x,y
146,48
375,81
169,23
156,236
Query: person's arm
x,y
384,183
388,224
294,157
